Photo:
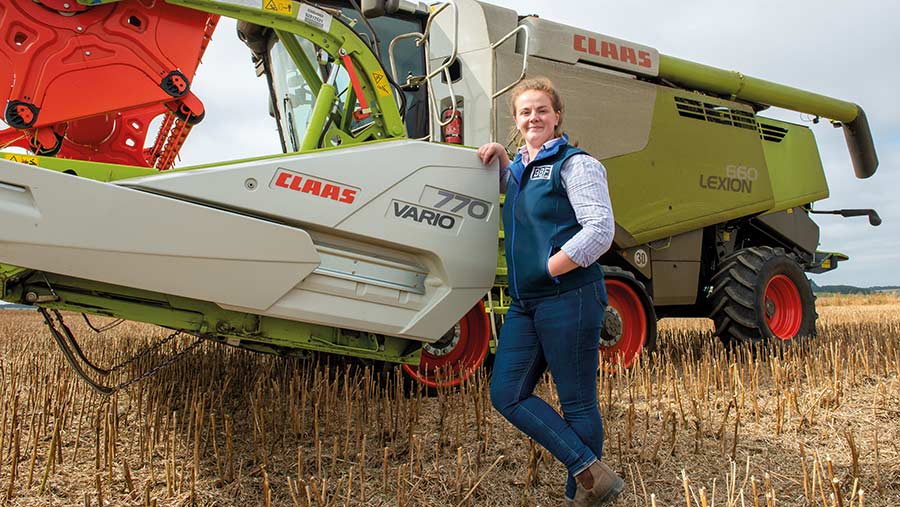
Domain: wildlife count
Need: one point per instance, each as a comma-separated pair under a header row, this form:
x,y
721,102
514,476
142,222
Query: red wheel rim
x,y
783,308
455,366
627,304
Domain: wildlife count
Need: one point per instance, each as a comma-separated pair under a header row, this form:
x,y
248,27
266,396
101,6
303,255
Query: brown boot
x,y
606,486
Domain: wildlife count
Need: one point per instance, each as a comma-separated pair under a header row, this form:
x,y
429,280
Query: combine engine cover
x,y
571,45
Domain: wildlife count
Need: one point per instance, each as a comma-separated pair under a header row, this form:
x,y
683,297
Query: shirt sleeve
x,y
584,179
504,178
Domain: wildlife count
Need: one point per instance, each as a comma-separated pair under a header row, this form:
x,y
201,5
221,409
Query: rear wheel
x,y
456,356
761,293
629,326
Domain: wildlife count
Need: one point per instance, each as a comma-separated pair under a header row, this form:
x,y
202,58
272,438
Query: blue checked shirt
x,y
584,179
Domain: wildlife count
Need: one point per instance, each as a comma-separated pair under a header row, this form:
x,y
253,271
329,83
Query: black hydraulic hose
x,y
393,83
273,97
365,20
70,358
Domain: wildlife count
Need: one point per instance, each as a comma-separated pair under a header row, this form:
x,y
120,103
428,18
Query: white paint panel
x,y
458,264
88,229
569,44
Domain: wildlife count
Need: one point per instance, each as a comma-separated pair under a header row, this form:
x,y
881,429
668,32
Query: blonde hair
x,y
541,84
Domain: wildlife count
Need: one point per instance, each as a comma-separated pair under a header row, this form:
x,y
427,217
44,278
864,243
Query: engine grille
x,y
722,115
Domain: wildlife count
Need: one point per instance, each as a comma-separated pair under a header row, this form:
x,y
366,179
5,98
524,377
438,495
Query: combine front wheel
x,y
762,293
456,356
630,323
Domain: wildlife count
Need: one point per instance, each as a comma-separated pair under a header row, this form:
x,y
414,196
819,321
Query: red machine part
x,y
65,6
634,322
452,131
85,82
363,112
457,355
784,308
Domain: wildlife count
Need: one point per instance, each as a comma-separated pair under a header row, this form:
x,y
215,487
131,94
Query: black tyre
x,y
760,293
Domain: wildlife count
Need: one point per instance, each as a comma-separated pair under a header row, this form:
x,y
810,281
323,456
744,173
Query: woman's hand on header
x,y
494,151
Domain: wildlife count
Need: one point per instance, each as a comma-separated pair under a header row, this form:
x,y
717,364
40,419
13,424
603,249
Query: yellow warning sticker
x,y
382,87
22,159
285,7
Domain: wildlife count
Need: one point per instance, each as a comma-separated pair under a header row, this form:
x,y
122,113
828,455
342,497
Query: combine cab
x,y
375,234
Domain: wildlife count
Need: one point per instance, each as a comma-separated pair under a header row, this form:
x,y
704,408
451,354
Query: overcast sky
x,y
842,49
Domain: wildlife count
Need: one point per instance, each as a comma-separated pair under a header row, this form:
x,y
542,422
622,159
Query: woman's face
x,y
536,119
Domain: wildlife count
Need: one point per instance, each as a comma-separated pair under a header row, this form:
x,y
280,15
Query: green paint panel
x,y
320,112
737,85
370,71
92,170
8,272
688,176
263,334
123,308
9,289
101,171
794,166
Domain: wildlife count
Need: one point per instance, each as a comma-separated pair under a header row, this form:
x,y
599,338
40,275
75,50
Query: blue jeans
x,y
561,332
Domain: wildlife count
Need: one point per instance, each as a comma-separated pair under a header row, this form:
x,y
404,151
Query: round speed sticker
x,y
641,258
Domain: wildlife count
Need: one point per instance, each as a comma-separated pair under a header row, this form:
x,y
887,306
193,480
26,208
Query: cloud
x,y
237,124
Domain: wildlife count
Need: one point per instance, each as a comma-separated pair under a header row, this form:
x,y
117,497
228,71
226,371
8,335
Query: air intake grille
x,y
772,133
722,115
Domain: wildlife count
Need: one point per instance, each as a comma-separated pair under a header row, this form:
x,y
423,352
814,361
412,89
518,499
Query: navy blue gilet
x,y
537,220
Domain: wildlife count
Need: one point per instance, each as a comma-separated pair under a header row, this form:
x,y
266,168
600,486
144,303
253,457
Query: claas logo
x,y
611,51
306,184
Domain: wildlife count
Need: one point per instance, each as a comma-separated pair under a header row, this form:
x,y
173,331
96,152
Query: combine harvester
x,y
375,234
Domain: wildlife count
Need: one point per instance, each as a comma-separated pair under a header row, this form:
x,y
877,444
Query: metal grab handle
x,y
520,28
427,32
418,80
419,37
434,105
422,39
445,67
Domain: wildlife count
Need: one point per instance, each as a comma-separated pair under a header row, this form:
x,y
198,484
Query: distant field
x,y
814,423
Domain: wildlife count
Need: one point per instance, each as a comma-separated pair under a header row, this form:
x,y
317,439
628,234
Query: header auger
x,y
375,234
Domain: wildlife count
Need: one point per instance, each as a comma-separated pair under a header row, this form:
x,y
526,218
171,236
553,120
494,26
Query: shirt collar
x,y
549,145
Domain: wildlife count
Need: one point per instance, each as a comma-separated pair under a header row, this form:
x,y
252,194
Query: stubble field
x,y
813,424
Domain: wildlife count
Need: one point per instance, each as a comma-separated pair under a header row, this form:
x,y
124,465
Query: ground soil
x,y
811,423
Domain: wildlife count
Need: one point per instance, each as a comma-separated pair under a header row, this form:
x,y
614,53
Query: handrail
x,y
494,46
452,98
447,63
419,37
422,40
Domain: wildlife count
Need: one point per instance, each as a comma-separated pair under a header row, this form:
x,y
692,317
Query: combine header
x,y
375,234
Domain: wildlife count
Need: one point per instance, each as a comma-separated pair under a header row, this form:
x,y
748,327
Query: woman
x,y
558,222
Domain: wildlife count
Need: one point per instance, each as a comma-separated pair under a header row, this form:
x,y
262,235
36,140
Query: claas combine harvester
x,y
375,233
